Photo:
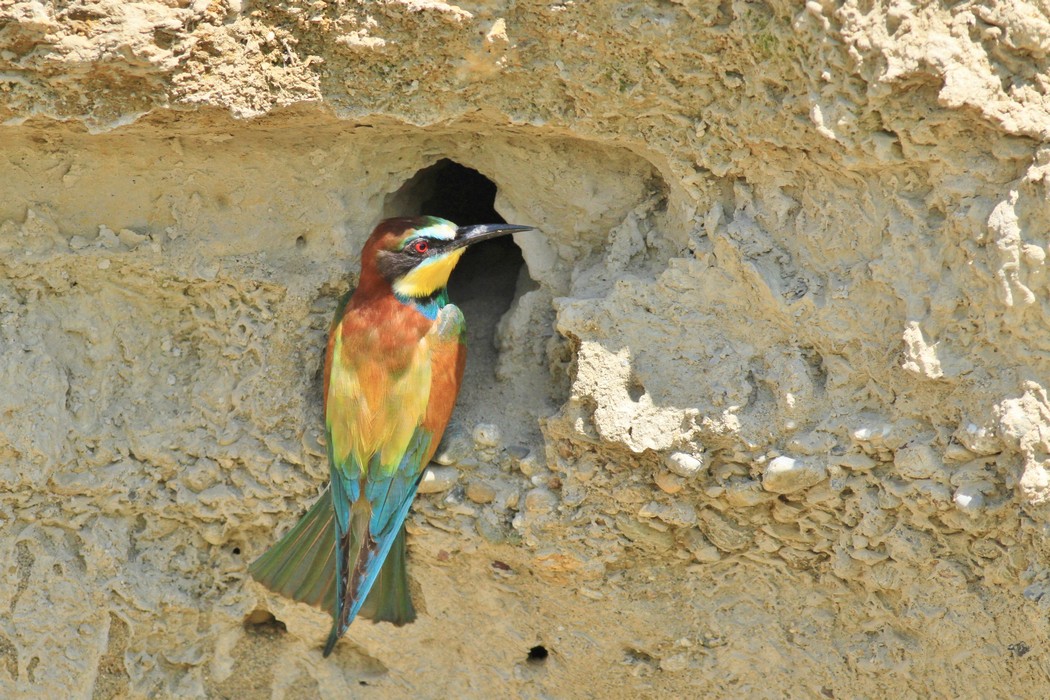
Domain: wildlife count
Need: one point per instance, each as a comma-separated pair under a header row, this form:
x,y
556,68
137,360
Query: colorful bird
x,y
392,373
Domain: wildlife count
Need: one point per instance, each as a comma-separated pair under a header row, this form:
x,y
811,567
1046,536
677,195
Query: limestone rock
x,y
438,479
684,464
487,435
788,475
480,492
783,231
918,462
669,482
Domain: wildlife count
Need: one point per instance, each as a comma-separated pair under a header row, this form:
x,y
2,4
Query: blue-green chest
x,y
428,306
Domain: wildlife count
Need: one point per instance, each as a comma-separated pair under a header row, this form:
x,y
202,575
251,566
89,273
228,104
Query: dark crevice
x,y
263,622
459,194
635,388
489,276
538,654
464,196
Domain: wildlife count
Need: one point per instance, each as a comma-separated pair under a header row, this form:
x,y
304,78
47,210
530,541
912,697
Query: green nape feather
x,y
301,566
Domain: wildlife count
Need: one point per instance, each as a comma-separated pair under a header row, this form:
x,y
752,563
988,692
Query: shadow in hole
x,y
261,621
538,654
464,196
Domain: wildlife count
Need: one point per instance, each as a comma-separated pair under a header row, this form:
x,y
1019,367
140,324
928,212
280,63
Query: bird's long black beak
x,y
468,235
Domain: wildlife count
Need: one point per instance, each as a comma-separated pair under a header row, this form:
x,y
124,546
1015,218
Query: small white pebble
x,y
684,464
787,475
456,448
487,435
969,499
438,479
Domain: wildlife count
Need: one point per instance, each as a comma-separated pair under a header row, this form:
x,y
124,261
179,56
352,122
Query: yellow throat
x,y
429,276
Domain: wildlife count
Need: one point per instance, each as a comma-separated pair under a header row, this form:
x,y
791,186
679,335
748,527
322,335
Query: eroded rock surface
x,y
763,414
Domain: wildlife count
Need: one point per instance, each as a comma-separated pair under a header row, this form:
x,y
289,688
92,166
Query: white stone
x,y
487,435
874,432
684,464
438,479
978,439
107,238
787,475
455,448
969,499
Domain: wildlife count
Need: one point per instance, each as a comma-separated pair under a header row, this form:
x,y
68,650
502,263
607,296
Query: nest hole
x,y
261,621
538,654
489,277
488,271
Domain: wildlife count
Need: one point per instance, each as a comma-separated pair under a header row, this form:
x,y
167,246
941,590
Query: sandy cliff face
x,y
761,412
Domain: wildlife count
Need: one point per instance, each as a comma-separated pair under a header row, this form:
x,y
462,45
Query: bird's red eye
x,y
420,247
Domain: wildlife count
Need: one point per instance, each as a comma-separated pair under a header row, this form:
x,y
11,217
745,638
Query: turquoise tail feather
x,y
373,523
301,566
363,559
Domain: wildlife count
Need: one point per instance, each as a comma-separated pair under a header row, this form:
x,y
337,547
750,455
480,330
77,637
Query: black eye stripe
x,y
432,246
394,264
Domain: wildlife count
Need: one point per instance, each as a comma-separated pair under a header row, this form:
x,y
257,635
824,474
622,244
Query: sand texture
x,y
761,411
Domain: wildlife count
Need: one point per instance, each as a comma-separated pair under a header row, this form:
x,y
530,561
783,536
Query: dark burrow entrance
x,y
487,279
464,196
538,654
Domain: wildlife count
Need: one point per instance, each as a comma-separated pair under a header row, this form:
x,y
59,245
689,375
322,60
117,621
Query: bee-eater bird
x,y
391,376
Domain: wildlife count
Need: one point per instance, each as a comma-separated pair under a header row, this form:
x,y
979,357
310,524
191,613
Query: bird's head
x,y
416,255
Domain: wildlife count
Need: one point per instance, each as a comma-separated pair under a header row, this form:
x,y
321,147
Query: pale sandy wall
x,y
772,412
